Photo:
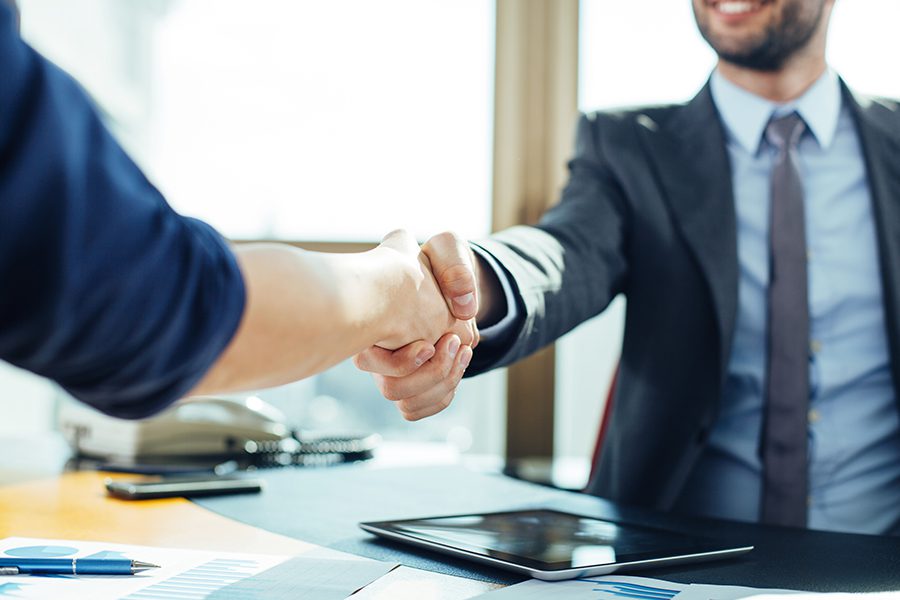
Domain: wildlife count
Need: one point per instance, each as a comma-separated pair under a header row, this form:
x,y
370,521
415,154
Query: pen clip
x,y
9,571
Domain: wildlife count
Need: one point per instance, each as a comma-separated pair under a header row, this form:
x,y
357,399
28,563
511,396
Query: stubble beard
x,y
773,47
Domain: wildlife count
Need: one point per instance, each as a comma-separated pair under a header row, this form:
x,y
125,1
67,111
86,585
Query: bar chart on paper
x,y
185,574
613,589
200,581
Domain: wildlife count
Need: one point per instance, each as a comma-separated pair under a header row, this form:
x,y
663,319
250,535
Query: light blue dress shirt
x,y
854,424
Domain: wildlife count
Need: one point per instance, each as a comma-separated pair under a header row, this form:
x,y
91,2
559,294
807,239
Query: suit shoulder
x,y
617,119
888,106
883,111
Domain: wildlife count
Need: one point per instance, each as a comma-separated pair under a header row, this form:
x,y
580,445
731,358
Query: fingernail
x,y
453,347
423,356
464,301
465,359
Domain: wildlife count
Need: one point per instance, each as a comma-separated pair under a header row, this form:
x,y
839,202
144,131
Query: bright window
x,y
334,120
635,53
294,119
863,45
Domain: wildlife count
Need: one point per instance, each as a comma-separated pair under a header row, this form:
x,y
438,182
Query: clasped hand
x,y
420,373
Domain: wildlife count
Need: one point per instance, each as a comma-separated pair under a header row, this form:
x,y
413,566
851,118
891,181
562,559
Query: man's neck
x,y
784,85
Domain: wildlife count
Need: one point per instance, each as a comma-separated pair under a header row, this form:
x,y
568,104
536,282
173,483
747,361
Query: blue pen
x,y
72,566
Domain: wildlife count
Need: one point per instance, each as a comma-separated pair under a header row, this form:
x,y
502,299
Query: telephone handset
x,y
247,429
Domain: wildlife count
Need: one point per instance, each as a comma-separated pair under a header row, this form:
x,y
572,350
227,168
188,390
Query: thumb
x,y
452,264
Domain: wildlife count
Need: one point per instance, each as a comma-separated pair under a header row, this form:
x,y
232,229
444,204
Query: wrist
x,y
491,300
393,283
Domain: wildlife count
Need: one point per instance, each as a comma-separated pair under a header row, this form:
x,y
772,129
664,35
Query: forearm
x,y
304,312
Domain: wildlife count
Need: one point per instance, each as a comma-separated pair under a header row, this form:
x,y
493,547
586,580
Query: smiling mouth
x,y
737,7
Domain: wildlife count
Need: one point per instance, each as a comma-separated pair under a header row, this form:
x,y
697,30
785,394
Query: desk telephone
x,y
203,427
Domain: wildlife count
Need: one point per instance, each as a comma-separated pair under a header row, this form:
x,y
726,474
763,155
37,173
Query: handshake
x,y
431,324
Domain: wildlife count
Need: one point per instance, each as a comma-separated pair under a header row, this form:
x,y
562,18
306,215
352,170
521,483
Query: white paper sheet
x,y
593,588
189,574
614,587
699,591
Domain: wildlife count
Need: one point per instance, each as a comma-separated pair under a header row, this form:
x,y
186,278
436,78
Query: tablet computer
x,y
553,545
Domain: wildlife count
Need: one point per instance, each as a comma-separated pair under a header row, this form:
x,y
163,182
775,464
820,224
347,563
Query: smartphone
x,y
171,487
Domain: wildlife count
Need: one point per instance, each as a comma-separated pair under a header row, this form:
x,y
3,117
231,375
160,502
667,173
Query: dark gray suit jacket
x,y
649,212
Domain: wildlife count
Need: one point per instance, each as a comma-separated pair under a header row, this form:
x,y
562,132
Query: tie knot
x,y
784,132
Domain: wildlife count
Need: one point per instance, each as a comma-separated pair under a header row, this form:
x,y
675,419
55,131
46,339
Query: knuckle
x,y
391,392
467,335
411,363
396,232
446,237
457,278
404,371
450,385
360,361
411,415
446,368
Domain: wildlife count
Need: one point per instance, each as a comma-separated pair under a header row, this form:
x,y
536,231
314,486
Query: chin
x,y
759,34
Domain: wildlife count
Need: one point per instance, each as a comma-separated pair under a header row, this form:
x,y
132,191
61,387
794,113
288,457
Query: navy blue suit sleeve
x,y
103,287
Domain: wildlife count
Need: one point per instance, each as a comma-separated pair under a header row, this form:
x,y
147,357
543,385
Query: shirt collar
x,y
745,115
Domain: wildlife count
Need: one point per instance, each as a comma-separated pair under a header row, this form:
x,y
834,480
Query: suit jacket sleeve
x,y
103,287
569,266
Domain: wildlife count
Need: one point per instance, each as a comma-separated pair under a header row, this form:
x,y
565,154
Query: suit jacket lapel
x,y
879,135
692,165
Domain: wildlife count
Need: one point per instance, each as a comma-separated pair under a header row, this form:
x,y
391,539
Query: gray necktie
x,y
784,439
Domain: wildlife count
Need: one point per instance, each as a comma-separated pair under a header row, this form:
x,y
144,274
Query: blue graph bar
x,y
199,582
621,589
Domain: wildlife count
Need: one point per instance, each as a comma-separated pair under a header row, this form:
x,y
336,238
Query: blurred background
x,y
329,123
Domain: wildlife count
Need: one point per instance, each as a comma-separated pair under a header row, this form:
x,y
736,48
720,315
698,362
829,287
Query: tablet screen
x,y
551,540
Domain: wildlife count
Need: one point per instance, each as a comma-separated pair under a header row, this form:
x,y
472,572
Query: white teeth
x,y
734,8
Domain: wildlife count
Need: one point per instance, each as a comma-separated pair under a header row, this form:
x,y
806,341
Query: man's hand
x,y
420,312
453,265
419,390
422,388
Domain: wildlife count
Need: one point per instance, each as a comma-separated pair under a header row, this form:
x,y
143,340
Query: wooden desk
x,y
324,506
75,506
